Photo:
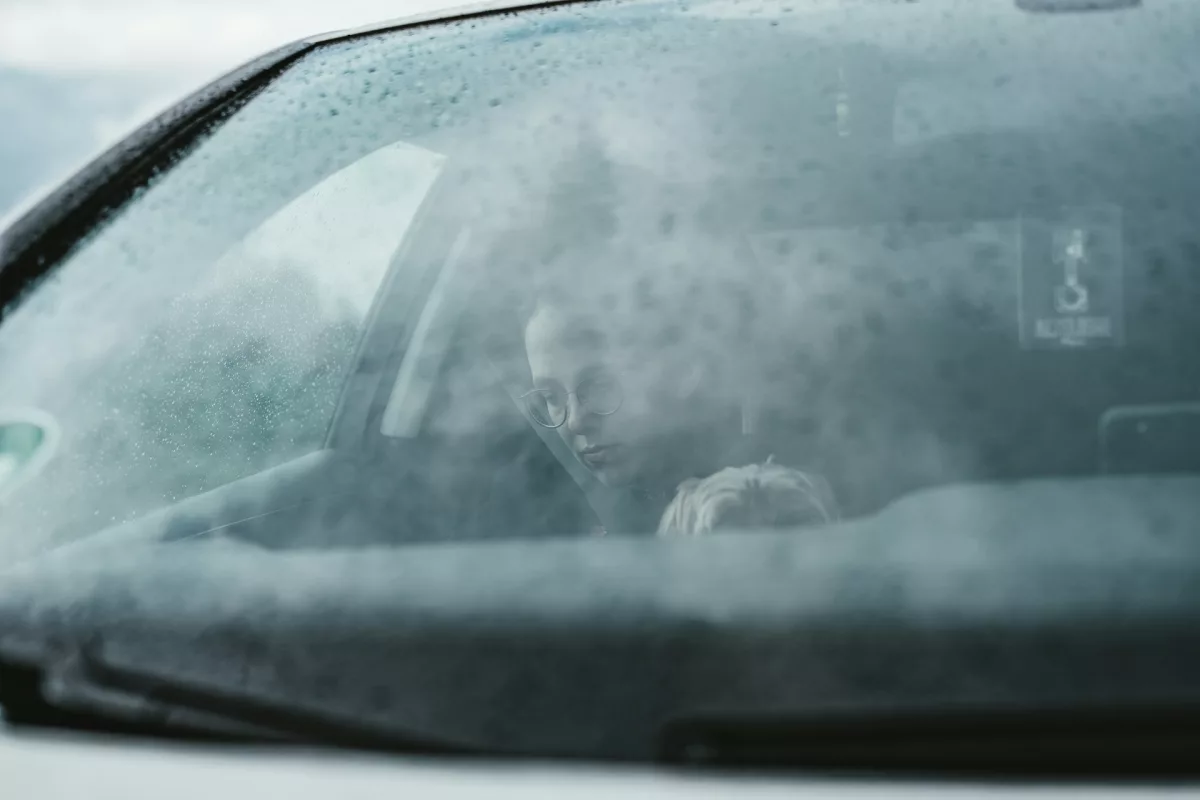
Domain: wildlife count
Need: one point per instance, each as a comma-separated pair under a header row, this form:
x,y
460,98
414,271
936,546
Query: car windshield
x,y
631,268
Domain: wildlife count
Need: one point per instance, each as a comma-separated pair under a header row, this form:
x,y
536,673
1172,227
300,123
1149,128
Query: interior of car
x,y
925,297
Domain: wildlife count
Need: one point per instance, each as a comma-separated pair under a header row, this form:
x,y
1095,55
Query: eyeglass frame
x,y
525,400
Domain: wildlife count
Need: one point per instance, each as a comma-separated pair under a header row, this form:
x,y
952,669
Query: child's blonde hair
x,y
766,495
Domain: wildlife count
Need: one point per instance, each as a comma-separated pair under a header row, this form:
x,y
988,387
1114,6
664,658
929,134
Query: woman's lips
x,y
597,455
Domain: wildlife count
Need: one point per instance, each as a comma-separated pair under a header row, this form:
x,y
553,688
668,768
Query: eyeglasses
x,y
600,395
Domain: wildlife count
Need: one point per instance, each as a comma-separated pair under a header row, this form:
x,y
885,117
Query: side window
x,y
464,366
180,381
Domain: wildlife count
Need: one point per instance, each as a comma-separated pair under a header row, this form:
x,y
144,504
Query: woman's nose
x,y
579,419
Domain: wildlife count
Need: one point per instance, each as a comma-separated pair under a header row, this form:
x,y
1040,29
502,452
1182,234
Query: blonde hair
x,y
754,496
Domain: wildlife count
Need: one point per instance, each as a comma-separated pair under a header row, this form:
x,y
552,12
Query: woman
x,y
635,375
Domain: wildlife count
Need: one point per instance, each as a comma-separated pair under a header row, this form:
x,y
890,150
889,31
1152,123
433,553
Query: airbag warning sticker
x,y
1070,279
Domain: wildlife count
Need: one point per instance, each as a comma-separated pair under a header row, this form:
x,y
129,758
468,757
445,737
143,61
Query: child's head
x,y
756,496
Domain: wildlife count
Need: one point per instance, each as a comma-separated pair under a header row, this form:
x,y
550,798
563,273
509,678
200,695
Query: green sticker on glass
x,y
27,440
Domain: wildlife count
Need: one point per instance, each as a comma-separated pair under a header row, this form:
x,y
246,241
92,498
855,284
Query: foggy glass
x,y
852,238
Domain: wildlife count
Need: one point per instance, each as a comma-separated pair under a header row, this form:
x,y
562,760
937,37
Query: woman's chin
x,y
613,475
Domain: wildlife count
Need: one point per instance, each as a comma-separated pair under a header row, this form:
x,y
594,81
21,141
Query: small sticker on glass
x,y
1070,280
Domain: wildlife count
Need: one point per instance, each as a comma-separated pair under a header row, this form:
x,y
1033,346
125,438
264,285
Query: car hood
x,y
1044,594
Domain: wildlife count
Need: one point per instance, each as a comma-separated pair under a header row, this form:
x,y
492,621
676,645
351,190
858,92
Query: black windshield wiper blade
x,y
292,721
234,716
54,697
1154,740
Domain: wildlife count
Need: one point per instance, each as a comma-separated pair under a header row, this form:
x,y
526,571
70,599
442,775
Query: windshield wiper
x,y
1126,741
177,708
35,696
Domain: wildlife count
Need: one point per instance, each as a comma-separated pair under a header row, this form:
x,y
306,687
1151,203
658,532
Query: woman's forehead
x,y
558,343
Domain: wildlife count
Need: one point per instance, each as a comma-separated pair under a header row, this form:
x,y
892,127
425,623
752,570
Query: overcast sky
x,y
76,74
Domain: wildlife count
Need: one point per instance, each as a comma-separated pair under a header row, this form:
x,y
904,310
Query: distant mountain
x,y
51,123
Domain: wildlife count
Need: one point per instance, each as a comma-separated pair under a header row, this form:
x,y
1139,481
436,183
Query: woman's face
x,y
616,416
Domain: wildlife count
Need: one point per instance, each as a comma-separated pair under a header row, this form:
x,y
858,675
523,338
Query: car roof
x,y
448,14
